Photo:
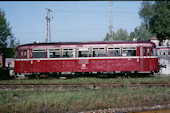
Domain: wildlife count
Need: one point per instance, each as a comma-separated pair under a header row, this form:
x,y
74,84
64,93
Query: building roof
x,y
153,38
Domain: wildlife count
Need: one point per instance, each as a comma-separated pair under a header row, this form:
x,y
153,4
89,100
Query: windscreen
x,y
16,54
154,51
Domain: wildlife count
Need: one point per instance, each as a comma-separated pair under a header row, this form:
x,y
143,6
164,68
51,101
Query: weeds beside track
x,y
128,92
80,80
80,100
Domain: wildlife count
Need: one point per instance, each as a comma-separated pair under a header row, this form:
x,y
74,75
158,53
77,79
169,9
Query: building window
x,y
54,53
114,51
39,53
83,52
129,51
68,53
164,52
99,52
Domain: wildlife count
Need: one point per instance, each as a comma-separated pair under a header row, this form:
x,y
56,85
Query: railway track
x,y
83,85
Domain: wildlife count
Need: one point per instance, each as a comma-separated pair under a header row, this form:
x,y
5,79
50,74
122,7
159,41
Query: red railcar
x,y
90,57
1,60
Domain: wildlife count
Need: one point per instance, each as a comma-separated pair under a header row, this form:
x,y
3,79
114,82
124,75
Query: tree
x,y
6,36
107,37
141,33
156,18
120,34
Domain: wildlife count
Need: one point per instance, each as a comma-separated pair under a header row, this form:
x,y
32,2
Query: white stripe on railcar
x,y
133,57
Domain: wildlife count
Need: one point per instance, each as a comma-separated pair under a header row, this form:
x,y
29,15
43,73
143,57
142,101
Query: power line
x,y
93,12
66,30
72,30
83,11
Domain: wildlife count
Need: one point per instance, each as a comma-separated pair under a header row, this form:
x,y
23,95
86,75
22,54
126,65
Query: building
x,y
165,43
163,55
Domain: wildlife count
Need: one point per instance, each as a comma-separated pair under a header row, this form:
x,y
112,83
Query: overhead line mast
x,y
110,22
48,18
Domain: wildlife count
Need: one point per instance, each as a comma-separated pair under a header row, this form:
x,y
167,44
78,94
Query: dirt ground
x,y
154,111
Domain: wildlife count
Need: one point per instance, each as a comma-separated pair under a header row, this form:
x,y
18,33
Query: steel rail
x,y
90,85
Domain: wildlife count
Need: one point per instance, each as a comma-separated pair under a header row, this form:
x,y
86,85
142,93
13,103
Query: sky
x,y
73,21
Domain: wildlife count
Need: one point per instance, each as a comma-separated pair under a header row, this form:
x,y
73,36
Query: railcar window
x,y
99,52
39,53
129,51
68,53
148,51
22,56
145,51
83,52
141,51
54,53
154,51
113,51
17,54
28,55
25,54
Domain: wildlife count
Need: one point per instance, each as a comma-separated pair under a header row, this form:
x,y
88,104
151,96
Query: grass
x,y
80,99
86,80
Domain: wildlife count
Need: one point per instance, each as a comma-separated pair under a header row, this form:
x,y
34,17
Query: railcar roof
x,y
92,42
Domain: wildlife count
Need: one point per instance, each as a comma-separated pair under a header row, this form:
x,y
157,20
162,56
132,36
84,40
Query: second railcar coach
x,y
89,57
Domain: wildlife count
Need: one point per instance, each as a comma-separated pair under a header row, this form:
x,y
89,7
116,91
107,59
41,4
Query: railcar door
x,y
145,53
28,62
147,59
25,63
22,65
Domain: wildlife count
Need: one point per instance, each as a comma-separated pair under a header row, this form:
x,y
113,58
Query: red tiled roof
x,y
153,38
